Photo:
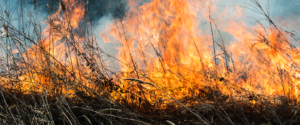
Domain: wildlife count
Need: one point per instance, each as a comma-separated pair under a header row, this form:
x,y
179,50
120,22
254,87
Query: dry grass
x,y
94,105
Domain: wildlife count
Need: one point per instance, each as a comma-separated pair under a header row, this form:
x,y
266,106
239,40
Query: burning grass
x,y
171,71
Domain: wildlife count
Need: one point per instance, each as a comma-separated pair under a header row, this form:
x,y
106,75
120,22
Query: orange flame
x,y
161,43
165,54
51,57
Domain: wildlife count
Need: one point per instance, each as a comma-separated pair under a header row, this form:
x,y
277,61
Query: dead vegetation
x,y
61,78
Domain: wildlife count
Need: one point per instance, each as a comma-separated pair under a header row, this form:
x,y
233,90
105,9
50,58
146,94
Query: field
x,y
176,62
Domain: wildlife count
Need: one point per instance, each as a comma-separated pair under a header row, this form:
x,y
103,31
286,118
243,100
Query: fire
x,y
161,43
50,61
164,54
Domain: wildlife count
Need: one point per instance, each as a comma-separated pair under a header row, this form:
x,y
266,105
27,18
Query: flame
x,y
161,43
164,54
50,60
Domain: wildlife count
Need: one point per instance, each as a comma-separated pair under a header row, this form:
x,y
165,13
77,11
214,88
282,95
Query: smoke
x,y
96,8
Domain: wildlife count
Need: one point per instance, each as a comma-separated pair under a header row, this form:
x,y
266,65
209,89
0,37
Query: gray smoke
x,y
96,8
